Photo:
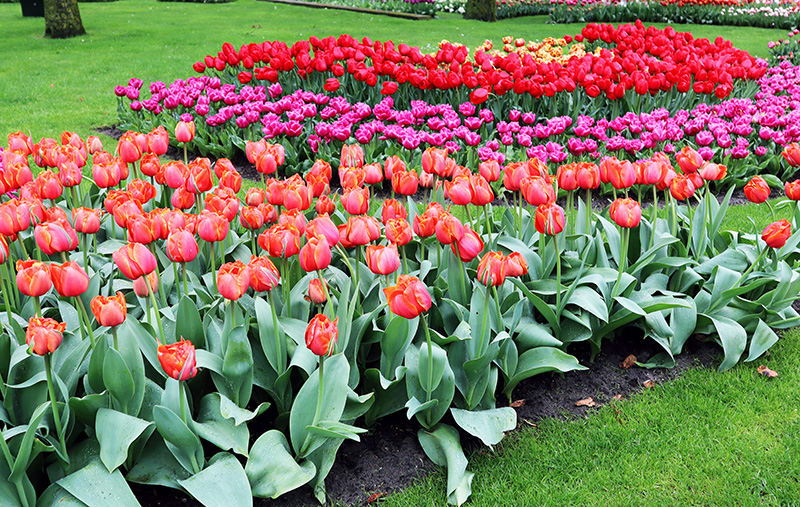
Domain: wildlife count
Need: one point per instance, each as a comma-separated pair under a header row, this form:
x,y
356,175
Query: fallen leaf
x,y
586,402
375,496
616,397
763,370
256,26
529,423
516,404
649,384
628,362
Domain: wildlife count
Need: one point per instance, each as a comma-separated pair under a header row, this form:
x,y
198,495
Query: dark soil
x,y
389,457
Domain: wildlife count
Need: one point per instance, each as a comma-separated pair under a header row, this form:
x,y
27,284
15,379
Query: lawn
x,y
708,438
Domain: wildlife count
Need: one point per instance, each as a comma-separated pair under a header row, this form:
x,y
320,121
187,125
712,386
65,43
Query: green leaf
x,y
443,447
589,300
96,487
230,410
212,426
116,432
118,378
271,468
733,338
223,482
429,378
266,332
189,325
24,453
237,368
762,340
180,440
157,466
336,429
395,340
456,279
543,308
540,360
487,425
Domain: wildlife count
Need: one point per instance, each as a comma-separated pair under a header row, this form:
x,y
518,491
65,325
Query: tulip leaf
x,y
543,308
540,360
272,469
24,453
431,369
266,332
443,393
390,396
118,378
457,279
180,440
212,426
223,482
133,331
443,446
762,339
304,410
487,425
116,432
682,322
96,360
415,406
157,466
395,340
733,338
236,381
189,325
230,410
589,300
96,487
85,409
336,429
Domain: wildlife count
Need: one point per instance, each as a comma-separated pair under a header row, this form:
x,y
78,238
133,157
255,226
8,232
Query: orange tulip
x,y
321,334
134,260
315,254
792,190
233,280
44,336
549,219
408,298
776,233
178,359
382,260
626,212
33,277
492,269
280,240
109,311
69,279
516,265
55,237
316,294
756,190
264,275
212,227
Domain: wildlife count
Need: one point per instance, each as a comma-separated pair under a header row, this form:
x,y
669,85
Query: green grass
x,y
49,86
707,438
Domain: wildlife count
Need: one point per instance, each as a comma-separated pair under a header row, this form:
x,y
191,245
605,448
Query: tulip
x,y
55,237
317,185
33,277
756,190
792,154
44,335
325,206
425,225
184,131
405,182
626,212
356,200
226,207
469,246
482,193
264,276
87,220
181,246
516,265
398,231
792,190
373,173
15,216
251,218
178,359
315,254
459,190
255,196
352,156
106,175
321,168
280,240
69,279
321,334
48,185
537,190
109,311
146,285
382,260
212,227
492,269
175,174
323,226
393,165
549,219
182,199
233,280
267,162
134,260
124,209
128,148
316,292
199,177
392,209
776,233
449,229
352,177
712,172
490,170
293,217
408,298
513,174
681,187
157,141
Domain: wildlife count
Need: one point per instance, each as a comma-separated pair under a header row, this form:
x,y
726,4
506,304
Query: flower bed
x,y
161,328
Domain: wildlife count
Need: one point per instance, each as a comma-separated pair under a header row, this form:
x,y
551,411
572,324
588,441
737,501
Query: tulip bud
x,y
44,336
321,334
264,275
69,279
233,280
33,277
146,284
516,265
756,190
184,131
315,254
134,260
549,219
382,260
178,359
776,233
492,269
626,212
408,298
109,311
316,293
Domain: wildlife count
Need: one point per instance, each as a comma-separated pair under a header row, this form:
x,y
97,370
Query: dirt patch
x,y
389,457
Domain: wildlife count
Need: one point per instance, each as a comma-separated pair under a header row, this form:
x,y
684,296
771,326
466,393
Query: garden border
x,y
315,5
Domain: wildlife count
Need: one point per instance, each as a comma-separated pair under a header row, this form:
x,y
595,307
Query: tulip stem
x,y
158,277
185,285
429,388
213,269
558,275
500,324
85,248
570,206
623,260
278,345
320,392
114,335
519,200
479,352
85,316
488,225
175,280
155,307
6,289
37,306
48,366
655,216
183,403
357,278
324,288
771,210
185,155
285,285
22,246
588,203
405,259
469,216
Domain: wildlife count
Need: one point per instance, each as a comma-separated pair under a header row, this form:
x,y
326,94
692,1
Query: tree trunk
x,y
482,10
62,19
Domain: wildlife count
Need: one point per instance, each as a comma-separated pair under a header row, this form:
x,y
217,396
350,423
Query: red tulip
x,y
323,226
212,227
321,333
44,336
425,225
107,174
382,260
48,185
373,173
184,131
792,154
293,217
356,200
93,145
459,190
469,246
20,143
352,177
513,174
626,212
448,229
33,277
255,196
492,269
479,96
792,190
352,156
15,216
143,285
109,311
317,185
756,190
264,275
69,279
398,231
3,249
776,233
128,148
55,237
549,219
325,206
321,168
331,85
158,141
178,359
125,208
516,265
393,165
405,182
712,172
689,160
233,280
621,174
175,174
251,218
490,170
681,187
392,209
537,190
408,298
280,240
434,161
181,246
316,294
482,193
315,254
134,260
